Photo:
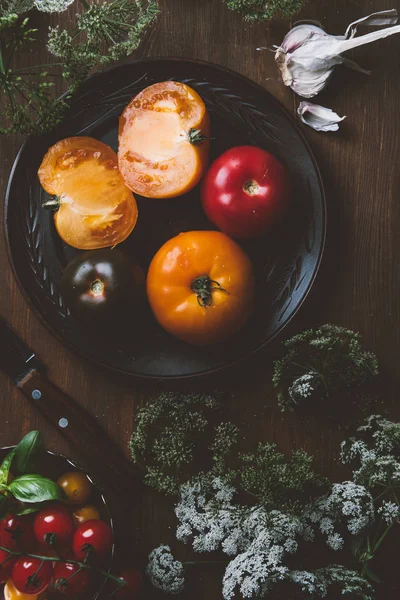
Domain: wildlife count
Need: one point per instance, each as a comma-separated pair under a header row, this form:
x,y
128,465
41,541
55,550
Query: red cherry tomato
x,y
54,525
246,191
16,533
6,565
69,580
93,539
133,584
31,575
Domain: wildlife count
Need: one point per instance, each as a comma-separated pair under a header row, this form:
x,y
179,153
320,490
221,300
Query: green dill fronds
x,y
277,481
119,24
319,362
260,10
26,94
103,33
175,437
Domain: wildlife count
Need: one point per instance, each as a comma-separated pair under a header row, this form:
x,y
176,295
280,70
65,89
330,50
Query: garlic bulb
x,y
318,117
308,55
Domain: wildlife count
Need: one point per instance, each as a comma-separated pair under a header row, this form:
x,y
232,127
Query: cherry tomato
x,y
93,539
84,514
6,564
69,580
200,287
94,208
246,191
17,533
133,584
11,593
102,286
31,575
163,140
76,486
53,525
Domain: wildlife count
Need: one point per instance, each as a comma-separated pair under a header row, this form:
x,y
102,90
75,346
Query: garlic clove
x,y
318,117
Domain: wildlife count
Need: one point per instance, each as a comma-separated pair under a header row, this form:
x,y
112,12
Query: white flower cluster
x,y
164,572
390,512
50,6
302,387
258,539
349,504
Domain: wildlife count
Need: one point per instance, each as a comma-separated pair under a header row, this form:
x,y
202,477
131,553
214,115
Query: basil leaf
x,y
5,466
35,488
4,506
28,447
27,510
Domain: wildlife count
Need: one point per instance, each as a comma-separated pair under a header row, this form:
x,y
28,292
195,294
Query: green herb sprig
x,y
319,363
102,33
28,489
261,10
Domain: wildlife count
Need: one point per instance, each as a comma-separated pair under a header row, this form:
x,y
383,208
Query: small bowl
x,y
53,465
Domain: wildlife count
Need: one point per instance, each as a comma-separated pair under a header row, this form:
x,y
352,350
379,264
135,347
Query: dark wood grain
x,y
360,277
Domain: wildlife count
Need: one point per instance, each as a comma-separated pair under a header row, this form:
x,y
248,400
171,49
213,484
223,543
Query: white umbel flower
x,y
164,572
308,55
51,6
318,117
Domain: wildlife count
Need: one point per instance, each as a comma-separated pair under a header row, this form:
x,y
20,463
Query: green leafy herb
x,y
5,467
35,488
26,510
277,481
319,362
172,431
27,449
103,32
260,10
4,505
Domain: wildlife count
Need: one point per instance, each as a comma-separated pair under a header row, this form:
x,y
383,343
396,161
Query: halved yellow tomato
x,y
163,140
94,207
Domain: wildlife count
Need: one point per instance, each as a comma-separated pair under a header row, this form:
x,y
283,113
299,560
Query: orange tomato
x,y
11,593
163,140
200,287
94,207
84,514
76,486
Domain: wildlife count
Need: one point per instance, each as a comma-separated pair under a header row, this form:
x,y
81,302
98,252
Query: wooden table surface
x,y
360,278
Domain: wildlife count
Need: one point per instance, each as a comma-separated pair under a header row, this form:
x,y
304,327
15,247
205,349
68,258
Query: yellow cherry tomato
x,y
11,593
76,486
86,513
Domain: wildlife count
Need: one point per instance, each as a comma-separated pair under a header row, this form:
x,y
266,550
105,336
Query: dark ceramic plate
x,y
53,465
286,262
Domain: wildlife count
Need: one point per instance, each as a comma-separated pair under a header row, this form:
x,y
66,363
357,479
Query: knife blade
x,y
110,468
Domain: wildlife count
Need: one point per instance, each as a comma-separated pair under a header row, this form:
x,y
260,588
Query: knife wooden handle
x,y
110,468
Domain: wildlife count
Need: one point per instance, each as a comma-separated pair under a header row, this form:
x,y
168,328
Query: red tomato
x,y
93,539
133,584
246,191
6,565
69,580
31,575
16,533
53,525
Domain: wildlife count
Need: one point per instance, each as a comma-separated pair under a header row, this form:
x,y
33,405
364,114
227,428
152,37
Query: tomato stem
x,y
196,136
203,287
97,287
53,203
251,187
44,559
